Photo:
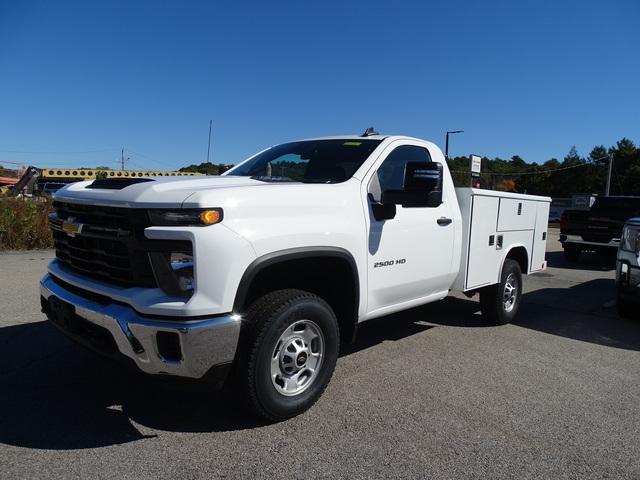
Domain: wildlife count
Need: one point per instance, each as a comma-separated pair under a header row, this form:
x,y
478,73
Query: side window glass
x,y
391,172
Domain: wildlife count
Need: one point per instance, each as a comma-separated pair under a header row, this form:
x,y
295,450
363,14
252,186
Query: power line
x,y
142,167
149,158
529,173
80,152
60,153
64,163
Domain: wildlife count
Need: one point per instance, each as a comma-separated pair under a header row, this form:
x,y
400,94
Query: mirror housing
x,y
422,186
381,211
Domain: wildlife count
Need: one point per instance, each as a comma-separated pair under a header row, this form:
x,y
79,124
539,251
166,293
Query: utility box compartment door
x,y
516,214
540,237
483,259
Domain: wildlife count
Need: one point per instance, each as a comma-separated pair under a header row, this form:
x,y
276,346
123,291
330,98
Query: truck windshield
x,y
311,161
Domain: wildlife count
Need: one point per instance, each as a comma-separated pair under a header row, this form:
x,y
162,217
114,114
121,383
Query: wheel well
x,y
519,254
332,277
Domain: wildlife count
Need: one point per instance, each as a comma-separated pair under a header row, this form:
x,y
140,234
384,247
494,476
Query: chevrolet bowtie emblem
x,y
71,227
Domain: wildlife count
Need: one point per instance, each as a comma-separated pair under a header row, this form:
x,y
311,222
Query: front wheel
x,y
500,302
287,353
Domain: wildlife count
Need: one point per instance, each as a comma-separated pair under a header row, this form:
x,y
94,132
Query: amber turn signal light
x,y
209,217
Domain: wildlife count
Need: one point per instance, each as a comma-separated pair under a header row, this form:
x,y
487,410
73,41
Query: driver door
x,y
409,256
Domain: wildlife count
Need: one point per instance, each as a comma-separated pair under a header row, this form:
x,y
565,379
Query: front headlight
x,y
630,240
188,217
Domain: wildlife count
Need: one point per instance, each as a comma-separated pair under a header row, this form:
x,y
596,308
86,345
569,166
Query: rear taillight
x,y
563,221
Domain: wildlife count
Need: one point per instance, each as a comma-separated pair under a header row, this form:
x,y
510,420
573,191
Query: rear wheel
x,y
572,252
500,303
287,353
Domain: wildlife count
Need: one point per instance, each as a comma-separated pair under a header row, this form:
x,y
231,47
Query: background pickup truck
x,y
255,277
598,229
628,270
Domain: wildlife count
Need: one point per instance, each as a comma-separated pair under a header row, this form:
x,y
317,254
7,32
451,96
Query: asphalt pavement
x,y
434,392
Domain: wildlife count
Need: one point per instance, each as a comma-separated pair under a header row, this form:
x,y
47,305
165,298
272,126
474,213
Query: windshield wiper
x,y
272,178
318,180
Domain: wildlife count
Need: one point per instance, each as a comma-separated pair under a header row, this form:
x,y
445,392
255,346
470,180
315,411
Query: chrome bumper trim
x,y
204,343
613,243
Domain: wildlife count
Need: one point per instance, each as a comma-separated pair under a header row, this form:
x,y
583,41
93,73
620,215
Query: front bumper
x,y
628,279
184,348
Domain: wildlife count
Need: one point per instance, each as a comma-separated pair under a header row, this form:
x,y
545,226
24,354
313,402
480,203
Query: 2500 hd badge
x,y
388,263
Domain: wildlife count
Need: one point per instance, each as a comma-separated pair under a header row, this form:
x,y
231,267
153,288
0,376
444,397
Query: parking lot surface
x,y
433,392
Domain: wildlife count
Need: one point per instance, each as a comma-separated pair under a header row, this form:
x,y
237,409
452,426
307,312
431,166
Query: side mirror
x,y
422,186
382,211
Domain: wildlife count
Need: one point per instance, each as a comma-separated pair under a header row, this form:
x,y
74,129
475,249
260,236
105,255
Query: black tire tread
x,y
256,323
490,301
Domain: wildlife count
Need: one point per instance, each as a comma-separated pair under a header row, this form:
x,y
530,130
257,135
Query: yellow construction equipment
x,y
34,178
89,174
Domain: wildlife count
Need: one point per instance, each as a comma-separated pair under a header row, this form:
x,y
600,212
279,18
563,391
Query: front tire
x,y
500,303
287,353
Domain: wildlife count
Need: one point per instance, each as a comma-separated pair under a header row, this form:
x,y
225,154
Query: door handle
x,y
444,221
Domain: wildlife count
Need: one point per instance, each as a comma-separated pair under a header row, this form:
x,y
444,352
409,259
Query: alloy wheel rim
x,y
297,357
510,293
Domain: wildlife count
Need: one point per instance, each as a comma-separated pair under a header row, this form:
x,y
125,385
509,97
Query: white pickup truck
x,y
253,278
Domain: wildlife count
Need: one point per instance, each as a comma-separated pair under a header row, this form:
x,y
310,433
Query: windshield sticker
x,y
354,144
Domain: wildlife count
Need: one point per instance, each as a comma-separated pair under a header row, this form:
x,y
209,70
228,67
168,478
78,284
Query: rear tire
x,y
288,350
572,253
500,303
626,308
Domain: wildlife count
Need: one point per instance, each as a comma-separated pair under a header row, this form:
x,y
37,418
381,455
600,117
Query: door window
x,y
390,175
391,172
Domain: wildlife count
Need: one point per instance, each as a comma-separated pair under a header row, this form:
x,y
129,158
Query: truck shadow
x,y
583,312
56,395
588,261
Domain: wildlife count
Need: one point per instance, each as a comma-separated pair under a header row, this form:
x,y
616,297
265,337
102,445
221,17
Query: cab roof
x,y
360,138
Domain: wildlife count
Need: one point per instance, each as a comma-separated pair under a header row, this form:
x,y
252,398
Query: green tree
x,y
626,168
207,168
574,174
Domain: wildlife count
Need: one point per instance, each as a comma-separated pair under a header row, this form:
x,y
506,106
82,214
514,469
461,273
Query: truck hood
x,y
154,192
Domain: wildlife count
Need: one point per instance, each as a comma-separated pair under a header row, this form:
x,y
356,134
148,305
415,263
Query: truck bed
x,y
493,223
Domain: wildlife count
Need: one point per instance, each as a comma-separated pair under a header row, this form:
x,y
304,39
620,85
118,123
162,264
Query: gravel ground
x,y
433,392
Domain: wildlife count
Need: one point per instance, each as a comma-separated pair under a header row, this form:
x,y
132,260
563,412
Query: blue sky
x,y
527,78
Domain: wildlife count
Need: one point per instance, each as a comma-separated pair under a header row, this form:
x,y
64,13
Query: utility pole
x,y
606,192
446,147
209,146
121,159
